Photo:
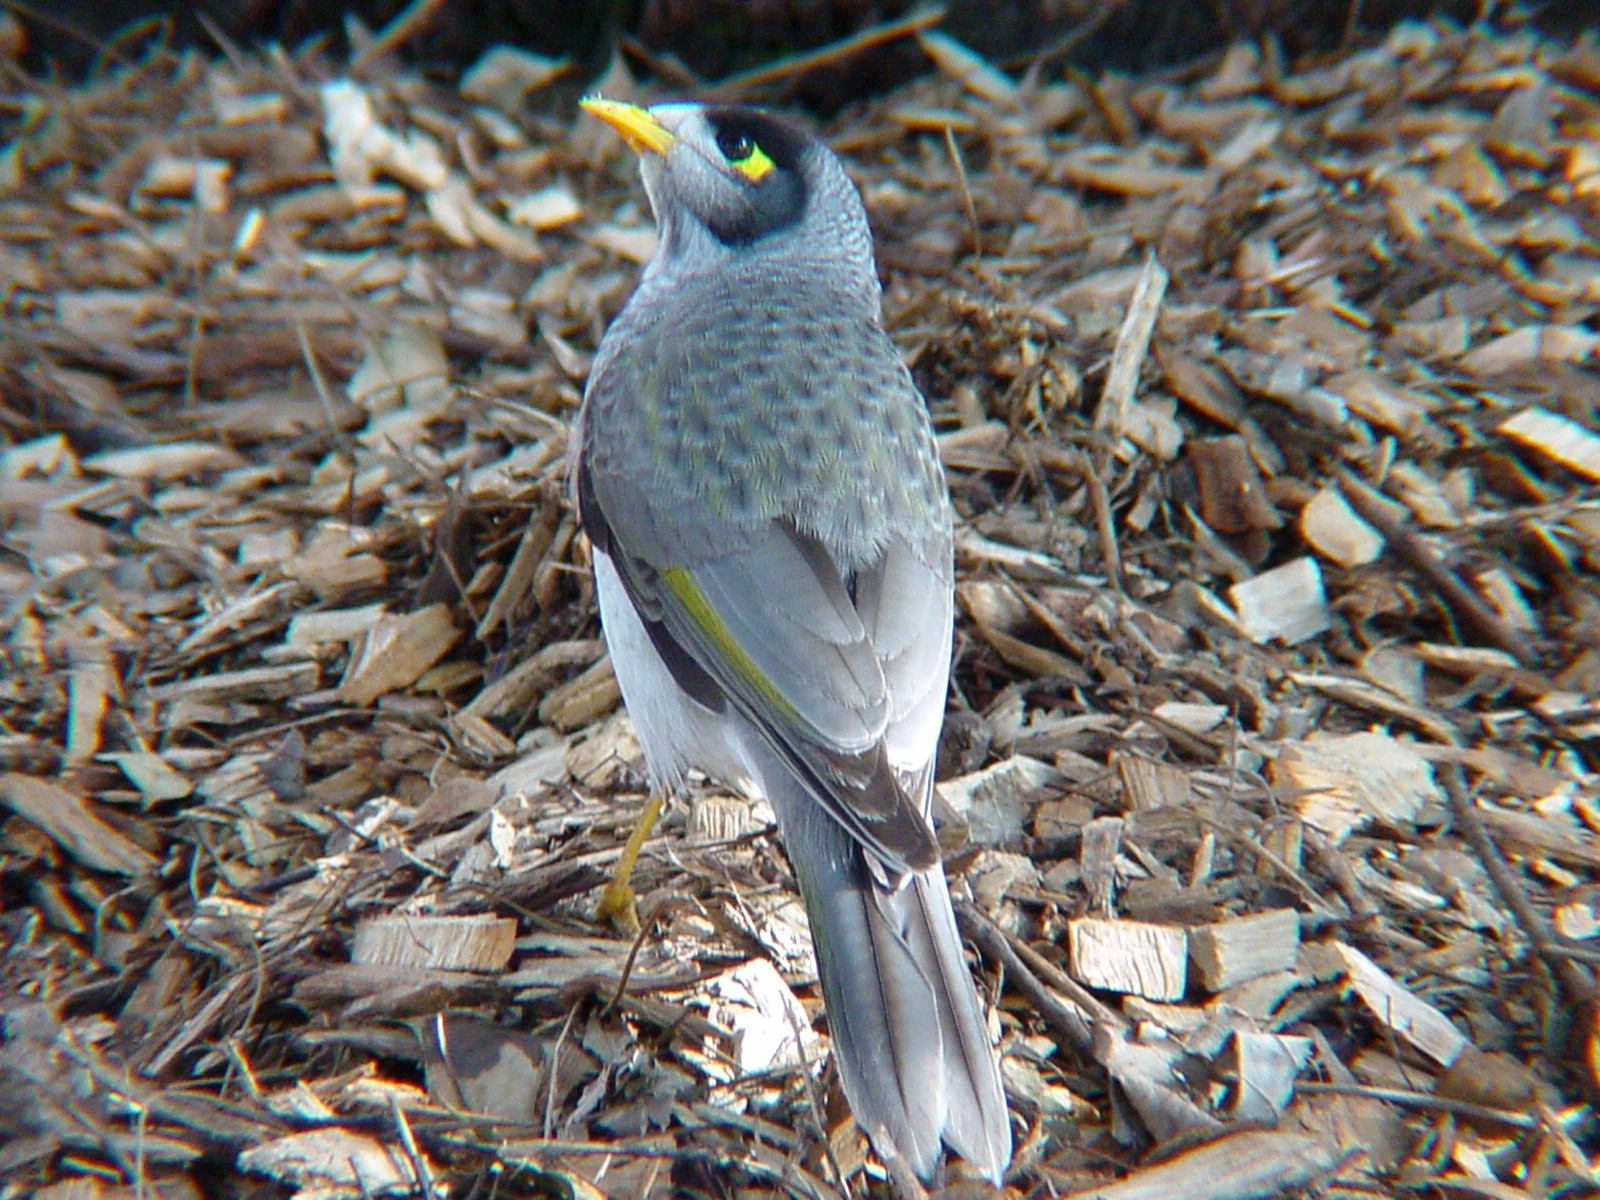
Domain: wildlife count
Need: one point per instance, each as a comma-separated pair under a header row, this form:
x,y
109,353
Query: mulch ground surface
x,y
1267,393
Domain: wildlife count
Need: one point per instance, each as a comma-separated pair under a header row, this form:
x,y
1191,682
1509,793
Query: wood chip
x,y
1557,438
476,943
69,820
1132,957
1332,529
1232,952
1399,1010
1286,604
396,651
1342,783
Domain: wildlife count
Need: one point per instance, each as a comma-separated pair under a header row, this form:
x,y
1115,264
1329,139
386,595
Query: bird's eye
x,y
744,156
735,146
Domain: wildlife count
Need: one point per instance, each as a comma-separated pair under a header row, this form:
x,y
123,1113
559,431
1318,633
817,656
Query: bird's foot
x,y
619,904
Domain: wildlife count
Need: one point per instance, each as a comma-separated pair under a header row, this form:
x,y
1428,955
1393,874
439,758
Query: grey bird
x,y
772,542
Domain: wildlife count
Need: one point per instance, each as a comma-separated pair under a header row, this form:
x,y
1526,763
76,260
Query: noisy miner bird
x,y
772,556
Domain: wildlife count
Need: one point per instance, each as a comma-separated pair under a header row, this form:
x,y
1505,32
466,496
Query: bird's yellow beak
x,y
638,128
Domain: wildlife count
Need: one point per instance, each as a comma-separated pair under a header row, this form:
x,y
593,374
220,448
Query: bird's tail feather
x,y
908,1032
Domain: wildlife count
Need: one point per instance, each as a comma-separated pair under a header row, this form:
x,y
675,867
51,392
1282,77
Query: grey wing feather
x,y
772,624
905,604
909,1035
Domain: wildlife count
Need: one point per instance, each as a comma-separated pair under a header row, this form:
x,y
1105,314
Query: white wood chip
x,y
1344,782
1558,438
174,460
995,801
1132,957
753,1002
1285,604
1190,717
472,943
313,629
1398,1009
361,149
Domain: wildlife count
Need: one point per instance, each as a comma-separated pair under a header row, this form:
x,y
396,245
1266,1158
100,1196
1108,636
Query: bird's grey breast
x,y
752,394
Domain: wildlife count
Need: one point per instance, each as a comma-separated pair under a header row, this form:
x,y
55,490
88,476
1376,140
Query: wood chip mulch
x,y
1268,396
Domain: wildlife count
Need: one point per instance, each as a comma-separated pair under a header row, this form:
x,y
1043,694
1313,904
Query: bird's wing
x,y
905,603
767,619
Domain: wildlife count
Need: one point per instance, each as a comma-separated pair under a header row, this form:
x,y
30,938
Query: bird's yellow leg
x,y
618,904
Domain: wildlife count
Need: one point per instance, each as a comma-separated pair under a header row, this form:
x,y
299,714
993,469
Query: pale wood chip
x,y
968,68
1528,347
1131,957
1331,528
548,208
1231,952
70,822
1402,1011
396,651
1558,438
174,460
473,943
996,802
506,75
1350,780
1284,604
582,700
155,778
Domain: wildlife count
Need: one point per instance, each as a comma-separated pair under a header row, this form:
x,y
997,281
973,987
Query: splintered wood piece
x,y
1343,783
1132,957
1397,1009
518,689
152,775
1285,604
71,824
1101,843
1231,952
583,700
998,801
475,943
1148,784
1133,345
605,754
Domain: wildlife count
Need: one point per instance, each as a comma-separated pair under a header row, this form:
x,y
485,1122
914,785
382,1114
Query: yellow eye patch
x,y
739,151
754,166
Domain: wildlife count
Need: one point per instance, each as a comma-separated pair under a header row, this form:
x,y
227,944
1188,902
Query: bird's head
x,y
729,181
